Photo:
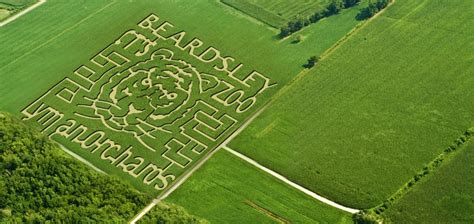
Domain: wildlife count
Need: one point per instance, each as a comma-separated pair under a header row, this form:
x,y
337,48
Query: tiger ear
x,y
163,53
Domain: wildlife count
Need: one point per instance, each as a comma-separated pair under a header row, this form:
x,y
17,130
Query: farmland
x,y
229,190
39,183
149,104
171,97
388,100
74,100
446,197
277,13
291,9
84,24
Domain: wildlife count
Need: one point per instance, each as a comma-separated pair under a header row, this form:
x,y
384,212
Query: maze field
x,y
149,105
146,91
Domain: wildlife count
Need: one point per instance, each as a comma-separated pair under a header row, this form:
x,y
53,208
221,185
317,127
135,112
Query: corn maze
x,y
149,105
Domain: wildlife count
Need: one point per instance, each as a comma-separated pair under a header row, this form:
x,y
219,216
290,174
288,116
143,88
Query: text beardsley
x,y
166,31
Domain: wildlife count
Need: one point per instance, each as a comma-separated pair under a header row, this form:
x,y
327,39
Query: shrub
x,y
373,8
365,217
312,61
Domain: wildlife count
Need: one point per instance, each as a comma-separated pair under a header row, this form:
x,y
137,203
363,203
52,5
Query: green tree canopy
x,y
40,183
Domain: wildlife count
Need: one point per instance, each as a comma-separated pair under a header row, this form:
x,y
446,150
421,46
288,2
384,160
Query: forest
x,y
40,183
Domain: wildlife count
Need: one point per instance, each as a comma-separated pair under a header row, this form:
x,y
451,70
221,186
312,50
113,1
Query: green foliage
x,y
298,39
367,217
351,3
373,8
312,61
300,21
334,7
40,183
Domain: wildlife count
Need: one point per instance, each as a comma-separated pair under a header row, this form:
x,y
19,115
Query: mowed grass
x,y
225,189
445,197
371,114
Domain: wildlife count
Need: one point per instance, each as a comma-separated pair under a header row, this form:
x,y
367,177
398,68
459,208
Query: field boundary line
x,y
80,158
198,165
430,169
358,25
292,184
267,212
59,34
170,190
23,12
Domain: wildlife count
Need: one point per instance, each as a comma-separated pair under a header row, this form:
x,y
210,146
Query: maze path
x,y
149,105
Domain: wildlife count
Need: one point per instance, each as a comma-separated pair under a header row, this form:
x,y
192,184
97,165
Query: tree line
x,y
40,183
375,215
373,8
300,22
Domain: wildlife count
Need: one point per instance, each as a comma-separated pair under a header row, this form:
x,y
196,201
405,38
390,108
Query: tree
x,y
367,12
39,183
312,61
367,217
334,8
373,8
299,23
316,16
298,39
285,31
381,4
350,3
